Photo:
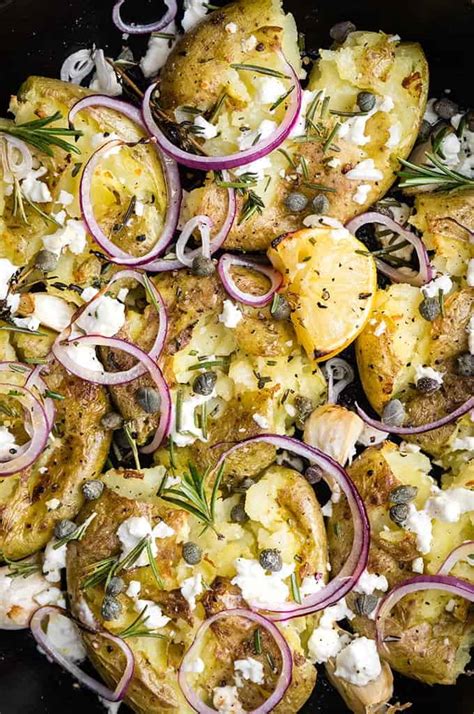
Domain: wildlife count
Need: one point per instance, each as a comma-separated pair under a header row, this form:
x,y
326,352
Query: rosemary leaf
x,y
258,69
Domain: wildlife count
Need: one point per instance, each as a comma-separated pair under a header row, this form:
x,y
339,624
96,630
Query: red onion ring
x,y
357,560
227,261
238,158
40,430
204,224
33,380
449,584
461,552
420,429
112,695
107,378
284,679
425,273
134,29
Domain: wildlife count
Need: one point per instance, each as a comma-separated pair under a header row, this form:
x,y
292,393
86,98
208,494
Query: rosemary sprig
x,y
330,137
338,113
191,495
253,204
206,364
42,136
295,589
257,641
23,330
287,157
281,99
20,568
318,187
133,446
98,572
258,69
242,183
138,628
439,175
212,114
153,565
150,292
54,395
77,534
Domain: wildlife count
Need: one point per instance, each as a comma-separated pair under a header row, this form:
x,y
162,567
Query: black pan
x,y
35,37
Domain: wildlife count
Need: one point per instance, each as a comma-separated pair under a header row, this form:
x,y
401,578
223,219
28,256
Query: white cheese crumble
x,y
154,618
358,663
326,641
158,51
430,115
8,445
311,584
450,148
442,283
206,129
194,666
394,135
428,372
7,270
231,28
250,138
259,587
35,190
72,236
261,421
188,432
466,443
369,582
131,531
371,436
307,97
362,193
419,523
365,171
64,636
226,700
18,598
133,589
353,129
268,89
450,605
54,561
194,12
191,588
450,505
256,167
249,43
470,335
230,315
470,273
105,316
250,669
417,565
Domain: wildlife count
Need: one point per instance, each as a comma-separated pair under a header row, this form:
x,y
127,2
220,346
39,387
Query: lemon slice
x,y
330,283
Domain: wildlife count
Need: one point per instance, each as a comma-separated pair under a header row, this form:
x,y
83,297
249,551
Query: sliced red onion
x,y
77,66
32,380
112,695
110,378
164,264
16,157
425,273
421,428
447,583
204,224
141,29
284,679
358,556
339,375
228,261
39,430
462,552
170,172
206,163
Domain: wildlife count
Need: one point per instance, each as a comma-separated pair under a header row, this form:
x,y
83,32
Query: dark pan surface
x,y
35,37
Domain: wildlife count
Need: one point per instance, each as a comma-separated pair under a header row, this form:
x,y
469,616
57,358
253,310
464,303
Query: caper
x,y
313,474
280,308
205,383
115,586
425,131
202,267
465,365
111,421
340,30
365,604
402,494
149,399
320,203
244,485
365,101
64,528
46,261
430,308
445,108
304,407
238,514
398,513
427,385
470,120
111,608
92,489
192,553
394,413
296,202
270,559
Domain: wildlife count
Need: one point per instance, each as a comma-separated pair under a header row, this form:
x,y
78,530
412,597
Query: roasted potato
x,y
434,641
280,495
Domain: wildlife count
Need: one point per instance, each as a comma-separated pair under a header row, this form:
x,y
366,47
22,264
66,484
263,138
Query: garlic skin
x,y
372,698
334,430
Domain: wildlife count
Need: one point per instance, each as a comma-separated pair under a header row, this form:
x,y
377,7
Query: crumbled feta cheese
x,y
326,510
29,323
72,235
104,316
311,584
417,565
226,700
65,638
250,669
261,421
133,589
394,38
8,445
191,588
259,588
450,148
133,530
365,171
470,273
465,443
419,523
231,28
54,561
194,666
324,643
84,356
43,470
428,372
450,605
154,617
53,504
35,190
18,598
362,193
250,138
394,135
353,129
256,167
358,663
249,43
188,431
442,283
449,505
158,51
230,315
65,198
50,596
334,163
268,89
194,13
369,582
206,129
299,127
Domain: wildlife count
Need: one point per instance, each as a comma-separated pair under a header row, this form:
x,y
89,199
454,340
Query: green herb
x,y
267,184
20,568
77,534
257,641
243,182
126,216
204,420
164,35
318,187
138,628
35,360
76,168
205,364
271,662
172,454
98,572
41,135
151,292
7,411
295,589
22,330
47,217
281,99
439,176
437,141
179,405
253,204
216,109
287,157
441,302
311,112
17,368
260,70
191,495
304,167
325,107
133,446
153,565
331,136
54,395
348,114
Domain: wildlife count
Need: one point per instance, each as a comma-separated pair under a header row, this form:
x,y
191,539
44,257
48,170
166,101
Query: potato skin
x,y
76,455
434,644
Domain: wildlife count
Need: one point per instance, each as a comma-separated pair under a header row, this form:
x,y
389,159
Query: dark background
x,y
35,37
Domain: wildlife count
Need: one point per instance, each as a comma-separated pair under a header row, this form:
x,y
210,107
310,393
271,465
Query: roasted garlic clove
x,y
369,699
334,430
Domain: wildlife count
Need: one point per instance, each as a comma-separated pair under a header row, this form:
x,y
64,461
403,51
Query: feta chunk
x,y
250,669
226,700
442,283
417,565
362,193
154,618
104,316
191,588
133,589
451,504
194,13
133,529
428,372
324,643
158,51
268,89
8,445
35,190
256,167
365,171
369,582
53,504
470,273
230,315
261,421
259,588
207,130
419,523
250,138
64,636
54,561
72,235
358,663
